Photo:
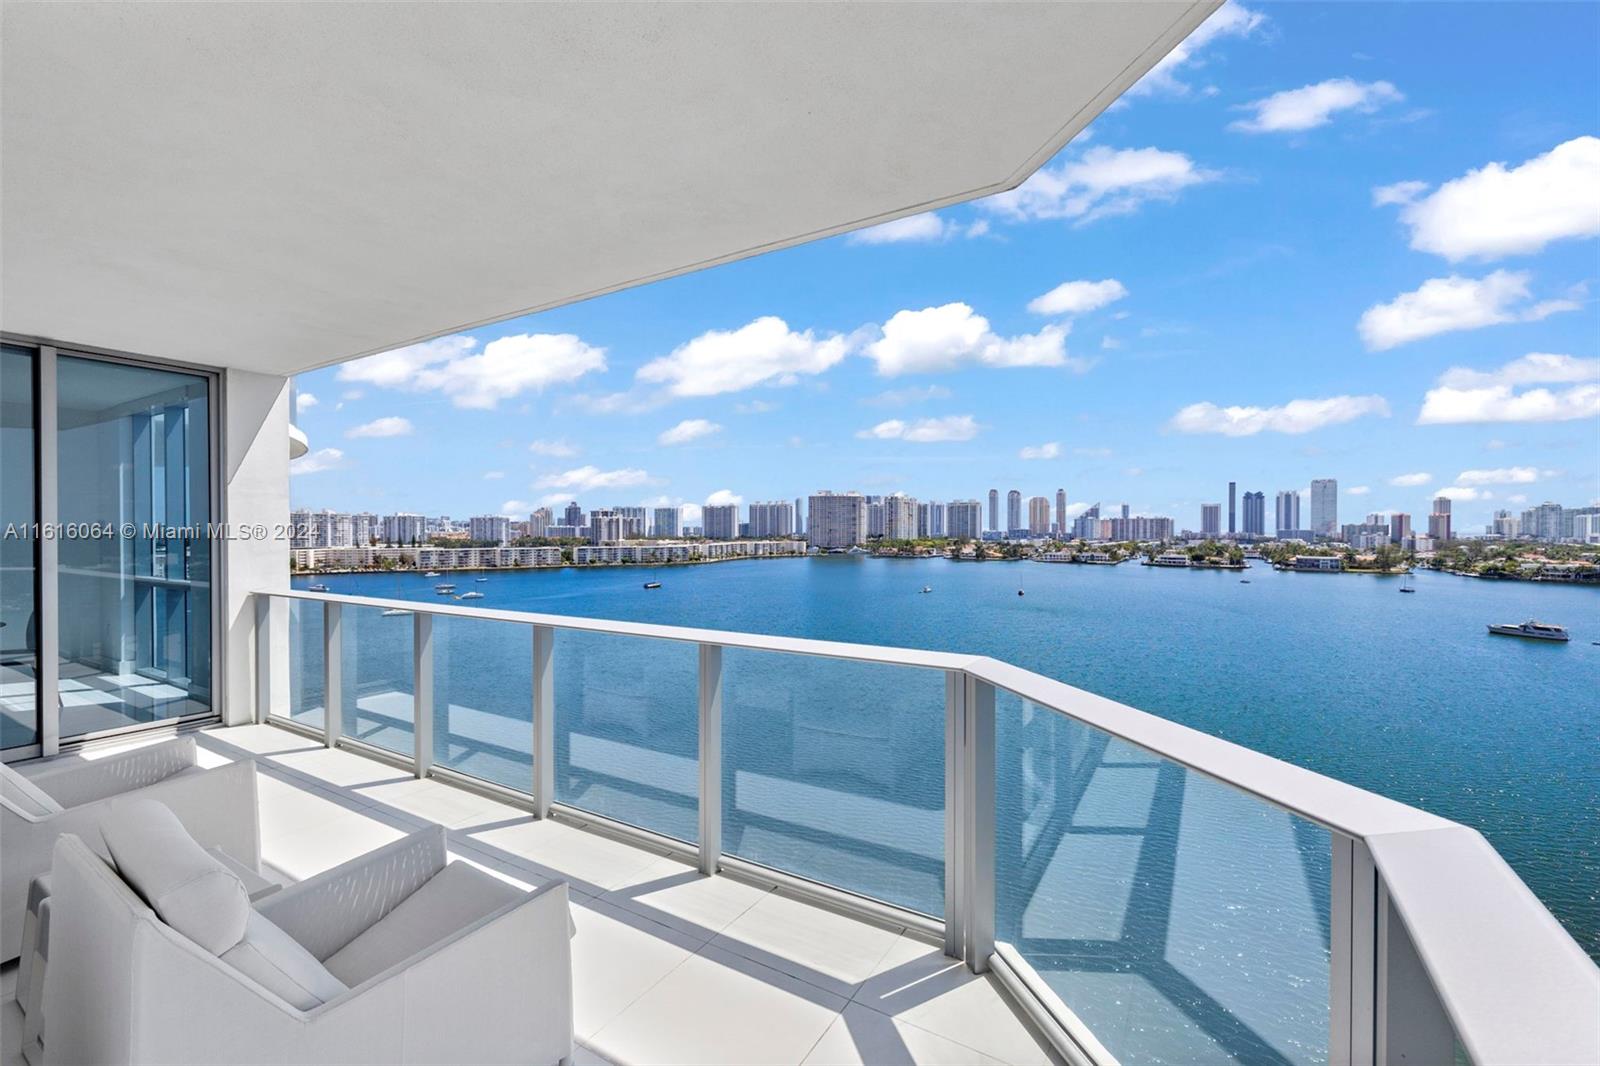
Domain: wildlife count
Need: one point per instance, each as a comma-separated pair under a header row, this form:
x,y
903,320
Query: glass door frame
x,y
47,556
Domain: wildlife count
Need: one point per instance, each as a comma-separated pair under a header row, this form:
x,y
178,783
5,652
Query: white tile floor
x,y
668,966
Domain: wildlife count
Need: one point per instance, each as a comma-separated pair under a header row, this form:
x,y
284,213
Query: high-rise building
x,y
899,517
931,519
1210,519
664,522
489,529
1233,490
1038,516
573,515
1399,527
1061,512
539,522
1543,522
874,516
1255,514
721,521
836,519
405,528
605,526
799,516
1014,512
963,520
1087,525
1325,506
1287,512
634,521
994,509
1439,520
1586,528
774,519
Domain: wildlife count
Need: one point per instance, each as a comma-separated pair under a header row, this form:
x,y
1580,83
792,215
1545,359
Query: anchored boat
x,y
1532,630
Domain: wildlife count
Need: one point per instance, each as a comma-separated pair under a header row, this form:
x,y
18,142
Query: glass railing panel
x,y
306,661
834,770
483,699
376,695
1182,920
627,729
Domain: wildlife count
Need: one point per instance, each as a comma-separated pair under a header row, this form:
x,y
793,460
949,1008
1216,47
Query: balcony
x,y
894,850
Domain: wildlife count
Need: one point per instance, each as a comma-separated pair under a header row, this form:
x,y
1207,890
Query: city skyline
x,y
1444,344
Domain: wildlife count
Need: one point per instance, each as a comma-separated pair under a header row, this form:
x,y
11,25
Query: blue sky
x,y
1323,240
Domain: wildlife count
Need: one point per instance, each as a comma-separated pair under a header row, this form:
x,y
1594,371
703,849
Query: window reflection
x,y
19,626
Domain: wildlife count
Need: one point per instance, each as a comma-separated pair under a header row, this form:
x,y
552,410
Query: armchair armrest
x,y
326,912
74,780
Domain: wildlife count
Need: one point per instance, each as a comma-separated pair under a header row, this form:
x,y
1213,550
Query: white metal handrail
x,y
1434,938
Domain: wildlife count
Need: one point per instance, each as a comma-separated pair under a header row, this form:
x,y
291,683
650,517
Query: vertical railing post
x,y
1353,933
263,635
710,758
955,803
332,674
422,692
978,825
544,720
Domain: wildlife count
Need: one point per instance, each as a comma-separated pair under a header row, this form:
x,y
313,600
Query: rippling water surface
x,y
1182,920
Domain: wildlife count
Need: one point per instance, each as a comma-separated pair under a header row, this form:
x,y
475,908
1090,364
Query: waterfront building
x,y
773,519
799,516
1399,527
605,526
1061,512
1325,564
404,528
1439,520
899,517
1255,514
721,521
1586,528
1210,519
1038,516
1373,533
1172,559
963,520
836,519
994,509
1232,494
1324,506
573,515
664,522
1087,525
1570,517
1287,512
1014,526
682,551
1543,522
489,529
932,519
566,532
874,516
634,521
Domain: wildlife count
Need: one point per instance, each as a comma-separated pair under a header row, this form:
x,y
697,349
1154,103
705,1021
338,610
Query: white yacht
x,y
1532,630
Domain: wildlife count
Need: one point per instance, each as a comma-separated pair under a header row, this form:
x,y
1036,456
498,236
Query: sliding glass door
x,y
127,521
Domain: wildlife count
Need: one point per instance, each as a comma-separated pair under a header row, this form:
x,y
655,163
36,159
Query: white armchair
x,y
396,957
72,794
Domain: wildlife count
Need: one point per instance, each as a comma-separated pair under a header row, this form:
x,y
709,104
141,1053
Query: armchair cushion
x,y
186,886
276,962
23,796
454,898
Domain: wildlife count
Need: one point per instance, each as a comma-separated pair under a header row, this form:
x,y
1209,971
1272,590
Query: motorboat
x,y
319,588
1532,630
470,596
652,584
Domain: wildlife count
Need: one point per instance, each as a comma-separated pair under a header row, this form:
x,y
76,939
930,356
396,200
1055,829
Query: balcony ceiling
x,y
282,186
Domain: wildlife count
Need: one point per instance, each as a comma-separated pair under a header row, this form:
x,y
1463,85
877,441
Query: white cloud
x,y
1494,212
1464,395
1296,416
1358,490
318,461
1311,106
589,478
1406,481
1048,450
755,407
926,228
1445,305
909,395
517,508
1102,182
494,475
304,401
924,430
1517,497
724,498
763,352
556,449
1505,475
1230,20
1078,297
506,367
391,426
1464,493
1093,453
945,338
687,430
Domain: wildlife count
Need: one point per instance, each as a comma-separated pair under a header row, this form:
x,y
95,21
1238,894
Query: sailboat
x,y
1407,584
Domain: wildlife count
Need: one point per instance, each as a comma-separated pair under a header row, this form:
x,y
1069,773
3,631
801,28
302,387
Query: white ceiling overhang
x,y
282,186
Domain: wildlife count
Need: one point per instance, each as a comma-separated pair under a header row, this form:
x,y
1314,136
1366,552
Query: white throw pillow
x,y
188,888
277,962
25,797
